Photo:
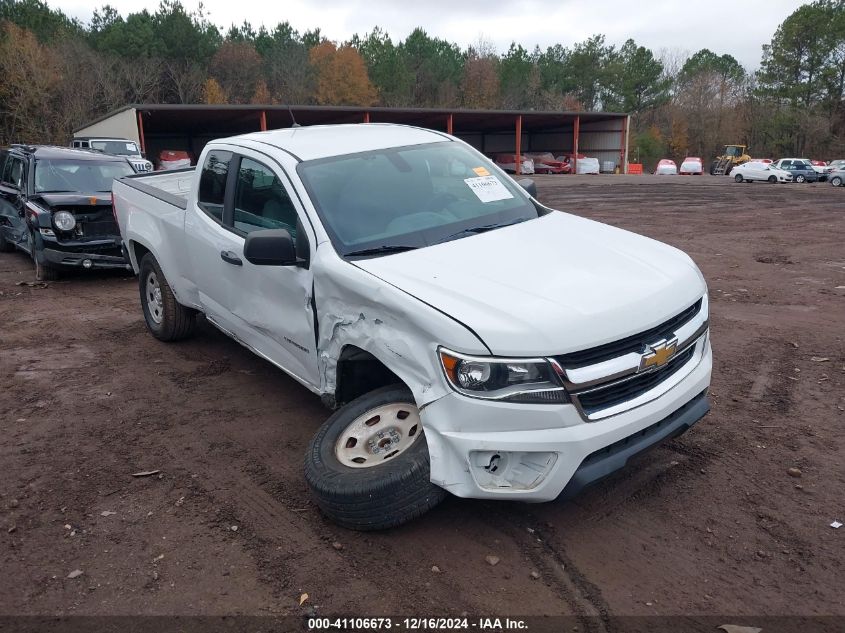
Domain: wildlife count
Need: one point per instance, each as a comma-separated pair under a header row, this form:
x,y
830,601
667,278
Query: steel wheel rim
x,y
379,435
153,295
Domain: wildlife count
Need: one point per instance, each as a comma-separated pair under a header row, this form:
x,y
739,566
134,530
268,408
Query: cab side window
x,y
212,189
261,201
13,172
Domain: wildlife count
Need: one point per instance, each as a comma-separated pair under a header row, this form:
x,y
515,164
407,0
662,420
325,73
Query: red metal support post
x,y
576,132
518,145
366,117
449,124
141,133
623,142
263,121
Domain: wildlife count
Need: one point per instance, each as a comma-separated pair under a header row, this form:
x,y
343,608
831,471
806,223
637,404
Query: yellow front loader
x,y
734,155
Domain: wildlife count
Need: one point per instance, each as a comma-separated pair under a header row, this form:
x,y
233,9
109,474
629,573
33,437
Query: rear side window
x,y
13,172
212,191
261,201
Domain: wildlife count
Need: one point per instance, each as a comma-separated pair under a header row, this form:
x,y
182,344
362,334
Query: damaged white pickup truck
x,y
471,340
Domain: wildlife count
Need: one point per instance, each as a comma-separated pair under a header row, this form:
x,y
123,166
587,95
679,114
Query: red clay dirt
x,y
709,523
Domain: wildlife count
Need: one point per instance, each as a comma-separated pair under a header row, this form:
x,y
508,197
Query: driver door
x,y
268,308
12,188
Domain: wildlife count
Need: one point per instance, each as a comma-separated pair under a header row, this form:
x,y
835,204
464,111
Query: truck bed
x,y
168,186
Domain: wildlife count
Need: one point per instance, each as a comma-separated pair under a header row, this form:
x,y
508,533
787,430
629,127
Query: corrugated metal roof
x,y
177,117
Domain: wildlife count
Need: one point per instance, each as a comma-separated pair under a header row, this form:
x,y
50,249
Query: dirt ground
x,y
709,523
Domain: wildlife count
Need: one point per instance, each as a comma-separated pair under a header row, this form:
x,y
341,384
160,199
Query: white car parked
x,y
666,167
758,170
691,165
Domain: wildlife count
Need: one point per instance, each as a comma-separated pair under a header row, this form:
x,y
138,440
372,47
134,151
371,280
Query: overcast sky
x,y
738,27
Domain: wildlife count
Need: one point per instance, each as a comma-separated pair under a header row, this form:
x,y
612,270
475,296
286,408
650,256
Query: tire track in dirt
x,y
572,586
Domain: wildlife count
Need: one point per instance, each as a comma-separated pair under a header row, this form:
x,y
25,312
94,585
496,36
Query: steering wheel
x,y
438,202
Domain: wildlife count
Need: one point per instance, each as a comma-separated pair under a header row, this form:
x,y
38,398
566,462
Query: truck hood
x,y
65,200
553,285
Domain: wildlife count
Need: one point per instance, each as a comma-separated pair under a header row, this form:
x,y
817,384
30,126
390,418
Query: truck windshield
x,y
119,148
386,201
85,176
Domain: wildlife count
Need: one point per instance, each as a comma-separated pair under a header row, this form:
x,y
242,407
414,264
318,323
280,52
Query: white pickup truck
x,y
470,339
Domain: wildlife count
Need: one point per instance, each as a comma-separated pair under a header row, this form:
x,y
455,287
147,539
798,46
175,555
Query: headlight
x,y
530,380
64,220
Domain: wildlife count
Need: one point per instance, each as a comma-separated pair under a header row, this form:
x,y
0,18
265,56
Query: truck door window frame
x,y
7,171
228,188
229,216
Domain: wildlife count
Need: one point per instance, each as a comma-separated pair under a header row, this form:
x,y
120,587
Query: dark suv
x,y
55,204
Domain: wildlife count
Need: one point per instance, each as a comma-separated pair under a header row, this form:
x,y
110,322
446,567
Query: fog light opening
x,y
87,263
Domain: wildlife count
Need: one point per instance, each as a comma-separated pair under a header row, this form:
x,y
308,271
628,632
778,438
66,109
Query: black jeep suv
x,y
55,204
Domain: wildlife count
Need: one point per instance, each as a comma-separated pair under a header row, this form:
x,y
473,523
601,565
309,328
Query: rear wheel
x,y
836,181
738,178
773,179
167,319
368,465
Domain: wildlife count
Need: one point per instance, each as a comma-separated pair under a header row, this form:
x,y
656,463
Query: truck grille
x,y
634,343
628,389
100,228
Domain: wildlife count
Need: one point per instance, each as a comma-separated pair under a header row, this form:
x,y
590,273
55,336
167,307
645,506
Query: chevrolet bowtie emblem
x,y
658,354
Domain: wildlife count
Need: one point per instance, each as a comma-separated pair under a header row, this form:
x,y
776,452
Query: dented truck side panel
x,y
356,308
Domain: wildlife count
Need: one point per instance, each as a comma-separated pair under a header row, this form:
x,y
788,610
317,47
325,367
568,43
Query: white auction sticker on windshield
x,y
488,188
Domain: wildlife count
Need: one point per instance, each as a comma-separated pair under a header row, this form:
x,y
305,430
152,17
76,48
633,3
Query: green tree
x,y
634,81
585,69
385,66
518,78
434,67
35,16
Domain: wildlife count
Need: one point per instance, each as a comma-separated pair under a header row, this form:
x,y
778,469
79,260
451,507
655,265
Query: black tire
x,y
773,180
800,178
728,170
738,178
836,181
169,321
43,272
713,168
378,497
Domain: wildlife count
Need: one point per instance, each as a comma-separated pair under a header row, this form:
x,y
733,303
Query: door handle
x,y
230,258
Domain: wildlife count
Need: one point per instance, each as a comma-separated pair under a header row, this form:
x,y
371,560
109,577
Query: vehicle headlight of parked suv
x,y
64,220
532,380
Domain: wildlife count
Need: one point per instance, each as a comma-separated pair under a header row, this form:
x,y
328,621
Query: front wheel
x,y
800,178
167,319
773,179
738,178
368,465
43,272
836,181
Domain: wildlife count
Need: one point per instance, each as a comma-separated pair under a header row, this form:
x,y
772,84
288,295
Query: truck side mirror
x,y
529,186
270,247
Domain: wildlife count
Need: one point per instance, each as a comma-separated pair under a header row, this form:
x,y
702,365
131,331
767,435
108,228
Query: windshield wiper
x,y
383,250
474,230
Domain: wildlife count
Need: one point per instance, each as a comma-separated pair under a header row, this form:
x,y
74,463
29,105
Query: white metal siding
x,y
120,125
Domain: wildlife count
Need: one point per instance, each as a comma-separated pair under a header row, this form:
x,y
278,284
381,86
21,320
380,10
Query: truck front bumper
x,y
486,449
105,253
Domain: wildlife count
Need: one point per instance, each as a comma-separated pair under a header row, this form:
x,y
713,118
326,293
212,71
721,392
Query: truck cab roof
x,y
322,141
